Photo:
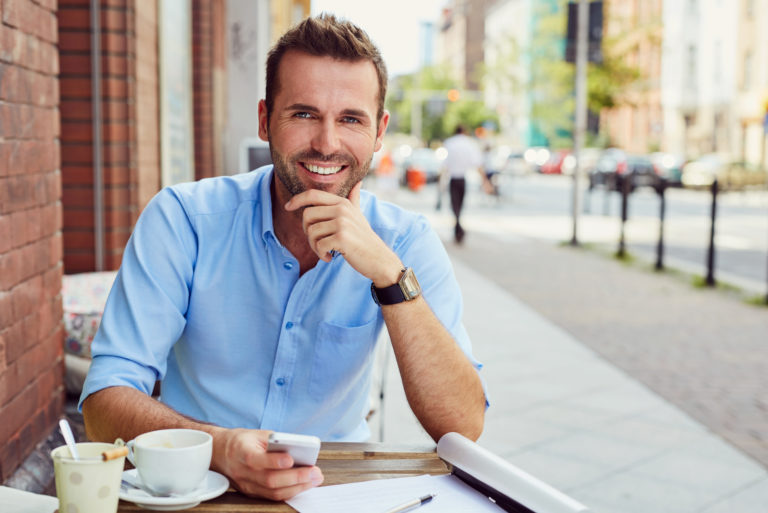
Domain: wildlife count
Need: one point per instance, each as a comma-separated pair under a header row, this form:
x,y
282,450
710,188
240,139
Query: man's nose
x,y
326,137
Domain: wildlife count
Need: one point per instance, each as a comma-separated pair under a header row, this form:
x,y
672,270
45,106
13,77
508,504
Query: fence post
x,y
661,188
624,184
710,280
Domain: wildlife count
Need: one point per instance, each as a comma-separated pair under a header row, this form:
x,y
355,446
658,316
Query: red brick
x,y
47,4
78,239
55,249
6,319
115,88
75,41
76,131
74,18
75,64
78,218
75,87
116,153
114,20
75,109
114,43
114,132
10,457
27,296
116,110
10,269
4,374
117,239
17,411
13,336
76,153
77,197
78,261
77,175
50,219
115,65
5,234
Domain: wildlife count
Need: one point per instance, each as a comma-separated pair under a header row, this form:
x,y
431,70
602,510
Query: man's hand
x,y
333,223
241,454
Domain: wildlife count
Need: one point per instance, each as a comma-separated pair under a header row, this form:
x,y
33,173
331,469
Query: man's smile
x,y
323,170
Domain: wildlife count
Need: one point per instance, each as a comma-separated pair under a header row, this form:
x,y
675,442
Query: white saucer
x,y
212,486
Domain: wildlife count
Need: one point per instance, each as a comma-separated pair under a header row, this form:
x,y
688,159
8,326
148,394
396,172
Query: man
x,y
250,296
463,156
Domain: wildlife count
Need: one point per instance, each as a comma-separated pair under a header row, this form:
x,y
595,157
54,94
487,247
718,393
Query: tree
x,y
549,88
440,115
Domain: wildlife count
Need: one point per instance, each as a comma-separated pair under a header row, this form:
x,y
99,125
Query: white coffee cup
x,y
171,460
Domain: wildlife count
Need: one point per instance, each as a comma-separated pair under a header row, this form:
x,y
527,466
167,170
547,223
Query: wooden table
x,y
341,463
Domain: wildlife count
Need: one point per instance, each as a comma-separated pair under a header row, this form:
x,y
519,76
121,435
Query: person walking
x,y
463,156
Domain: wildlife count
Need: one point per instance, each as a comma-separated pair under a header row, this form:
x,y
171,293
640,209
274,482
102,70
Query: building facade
x,y
634,31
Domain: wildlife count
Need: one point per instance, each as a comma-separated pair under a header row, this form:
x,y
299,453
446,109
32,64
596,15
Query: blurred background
x,y
104,102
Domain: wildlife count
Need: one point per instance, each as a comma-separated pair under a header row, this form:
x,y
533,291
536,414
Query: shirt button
x,y
288,265
280,381
288,325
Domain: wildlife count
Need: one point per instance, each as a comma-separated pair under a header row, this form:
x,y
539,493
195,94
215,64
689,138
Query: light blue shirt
x,y
208,301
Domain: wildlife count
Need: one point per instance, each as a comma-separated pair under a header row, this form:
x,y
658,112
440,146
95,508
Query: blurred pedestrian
x,y
463,156
491,170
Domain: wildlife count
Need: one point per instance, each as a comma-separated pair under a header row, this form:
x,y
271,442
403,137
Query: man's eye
x,y
350,119
303,115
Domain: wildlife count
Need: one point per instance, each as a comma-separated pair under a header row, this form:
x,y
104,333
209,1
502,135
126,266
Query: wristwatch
x,y
407,288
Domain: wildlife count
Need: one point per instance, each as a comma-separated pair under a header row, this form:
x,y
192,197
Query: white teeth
x,y
323,170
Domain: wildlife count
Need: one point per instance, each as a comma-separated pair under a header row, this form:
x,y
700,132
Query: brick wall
x,y
31,332
119,144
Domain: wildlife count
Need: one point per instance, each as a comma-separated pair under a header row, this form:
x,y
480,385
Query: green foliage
x,y
439,116
550,88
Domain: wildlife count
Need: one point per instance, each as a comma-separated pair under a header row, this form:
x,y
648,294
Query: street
x,y
540,206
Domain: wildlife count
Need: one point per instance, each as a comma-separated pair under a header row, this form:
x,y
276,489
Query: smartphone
x,y
302,448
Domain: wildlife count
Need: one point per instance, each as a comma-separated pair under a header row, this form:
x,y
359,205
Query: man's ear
x,y
382,128
263,121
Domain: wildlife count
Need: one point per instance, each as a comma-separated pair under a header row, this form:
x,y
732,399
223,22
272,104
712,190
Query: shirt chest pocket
x,y
342,358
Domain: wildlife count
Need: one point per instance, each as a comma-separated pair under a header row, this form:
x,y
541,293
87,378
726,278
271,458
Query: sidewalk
x,y
630,391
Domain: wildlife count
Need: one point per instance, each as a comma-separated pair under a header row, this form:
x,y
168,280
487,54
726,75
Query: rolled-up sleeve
x,y
145,312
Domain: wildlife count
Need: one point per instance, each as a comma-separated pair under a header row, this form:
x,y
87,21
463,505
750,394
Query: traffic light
x,y
454,95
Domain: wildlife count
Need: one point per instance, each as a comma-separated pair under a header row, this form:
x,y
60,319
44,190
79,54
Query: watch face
x,y
409,285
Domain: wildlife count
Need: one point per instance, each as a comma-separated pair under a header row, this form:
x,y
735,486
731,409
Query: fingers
x,y
280,485
354,194
264,474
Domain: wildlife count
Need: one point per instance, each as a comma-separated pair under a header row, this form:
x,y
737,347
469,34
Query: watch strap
x,y
394,294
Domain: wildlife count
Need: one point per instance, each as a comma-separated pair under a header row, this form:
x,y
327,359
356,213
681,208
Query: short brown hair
x,y
326,36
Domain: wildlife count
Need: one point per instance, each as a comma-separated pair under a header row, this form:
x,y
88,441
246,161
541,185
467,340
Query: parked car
x,y
669,166
588,158
701,172
554,164
615,164
425,162
536,156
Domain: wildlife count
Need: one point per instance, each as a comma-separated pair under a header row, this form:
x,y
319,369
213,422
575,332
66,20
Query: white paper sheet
x,y
18,501
453,496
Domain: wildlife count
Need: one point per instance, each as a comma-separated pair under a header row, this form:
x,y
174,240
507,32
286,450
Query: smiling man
x,y
257,299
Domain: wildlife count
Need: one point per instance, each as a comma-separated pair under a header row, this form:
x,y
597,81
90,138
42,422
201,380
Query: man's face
x,y
322,131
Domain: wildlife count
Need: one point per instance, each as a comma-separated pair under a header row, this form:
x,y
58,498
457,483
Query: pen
x,y
415,503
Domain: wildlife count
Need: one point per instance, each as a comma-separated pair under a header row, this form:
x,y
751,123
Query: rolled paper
x,y
114,453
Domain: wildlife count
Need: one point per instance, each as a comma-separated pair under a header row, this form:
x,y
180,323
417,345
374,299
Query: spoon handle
x,y
66,432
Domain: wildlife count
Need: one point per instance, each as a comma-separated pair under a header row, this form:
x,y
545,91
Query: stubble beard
x,y
285,170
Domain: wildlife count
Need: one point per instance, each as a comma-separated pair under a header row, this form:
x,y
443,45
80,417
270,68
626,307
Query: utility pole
x,y
580,127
